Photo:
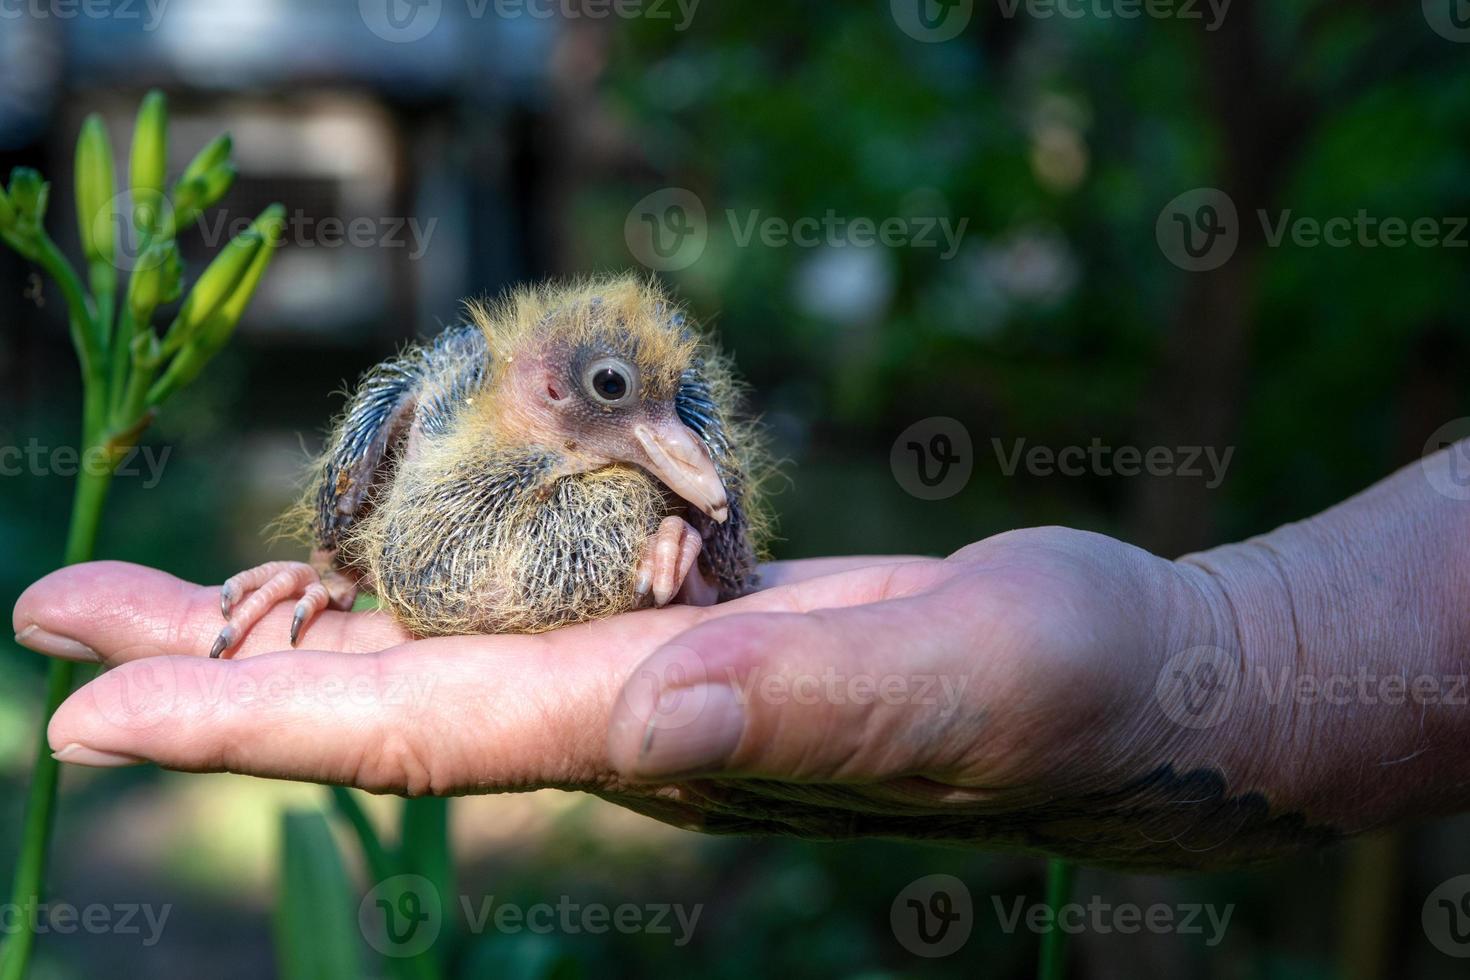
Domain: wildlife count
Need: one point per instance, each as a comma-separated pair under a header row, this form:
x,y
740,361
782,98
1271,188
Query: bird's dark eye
x,y
610,381
610,384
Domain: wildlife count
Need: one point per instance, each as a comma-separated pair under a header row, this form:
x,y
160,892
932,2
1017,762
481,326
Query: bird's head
x,y
590,375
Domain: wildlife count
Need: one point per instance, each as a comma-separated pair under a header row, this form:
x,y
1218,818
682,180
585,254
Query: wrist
x,y
1350,704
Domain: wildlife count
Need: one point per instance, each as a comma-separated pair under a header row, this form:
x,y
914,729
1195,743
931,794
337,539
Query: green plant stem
x,y
103,279
380,865
1059,877
122,340
133,398
383,867
30,872
90,343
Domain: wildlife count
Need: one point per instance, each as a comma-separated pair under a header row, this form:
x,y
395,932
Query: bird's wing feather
x,y
421,387
727,545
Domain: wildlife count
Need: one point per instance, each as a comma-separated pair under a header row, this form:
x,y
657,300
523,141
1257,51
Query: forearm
x,y
1352,630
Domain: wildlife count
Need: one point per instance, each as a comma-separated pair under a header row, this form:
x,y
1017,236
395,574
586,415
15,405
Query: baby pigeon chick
x,y
567,454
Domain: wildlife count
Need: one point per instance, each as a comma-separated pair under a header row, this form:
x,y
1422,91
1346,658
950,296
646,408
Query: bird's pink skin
x,y
247,596
669,567
532,404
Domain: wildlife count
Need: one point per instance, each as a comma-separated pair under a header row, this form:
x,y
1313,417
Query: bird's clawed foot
x,y
669,566
248,596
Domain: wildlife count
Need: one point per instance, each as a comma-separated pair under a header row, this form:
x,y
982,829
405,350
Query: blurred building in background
x,y
412,173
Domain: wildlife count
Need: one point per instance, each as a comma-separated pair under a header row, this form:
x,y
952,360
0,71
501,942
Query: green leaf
x,y
316,930
424,850
380,864
7,211
424,843
397,886
96,190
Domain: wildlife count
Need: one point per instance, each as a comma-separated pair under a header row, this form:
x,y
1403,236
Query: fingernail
x,y
80,755
39,640
693,729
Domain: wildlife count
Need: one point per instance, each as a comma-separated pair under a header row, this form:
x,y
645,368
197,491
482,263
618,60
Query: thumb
x,y
856,694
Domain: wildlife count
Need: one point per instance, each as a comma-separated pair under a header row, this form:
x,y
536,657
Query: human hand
x,y
1004,696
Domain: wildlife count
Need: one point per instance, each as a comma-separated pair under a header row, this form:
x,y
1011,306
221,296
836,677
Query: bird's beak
x,y
677,458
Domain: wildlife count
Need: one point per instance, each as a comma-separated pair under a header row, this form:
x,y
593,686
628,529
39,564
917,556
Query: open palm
x,y
1001,696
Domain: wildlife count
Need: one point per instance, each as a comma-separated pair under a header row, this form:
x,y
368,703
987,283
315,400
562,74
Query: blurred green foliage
x,y
1059,320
